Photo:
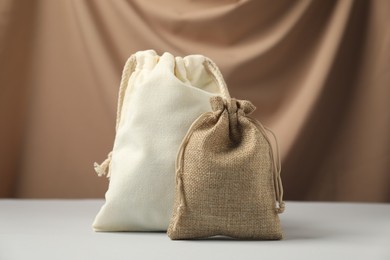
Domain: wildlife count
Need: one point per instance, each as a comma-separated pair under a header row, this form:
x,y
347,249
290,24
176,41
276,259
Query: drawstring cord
x,y
276,165
103,168
277,179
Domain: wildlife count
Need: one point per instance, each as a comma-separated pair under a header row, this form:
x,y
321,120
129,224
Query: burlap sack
x,y
227,181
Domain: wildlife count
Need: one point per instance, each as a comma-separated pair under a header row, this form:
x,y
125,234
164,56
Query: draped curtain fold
x,y
318,72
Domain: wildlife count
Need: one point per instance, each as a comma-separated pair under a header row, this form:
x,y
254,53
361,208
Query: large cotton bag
x,y
159,97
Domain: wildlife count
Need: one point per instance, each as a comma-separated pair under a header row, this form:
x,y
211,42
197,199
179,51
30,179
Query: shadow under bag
x,y
227,179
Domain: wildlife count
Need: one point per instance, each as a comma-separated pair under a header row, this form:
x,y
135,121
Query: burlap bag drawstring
x,y
277,165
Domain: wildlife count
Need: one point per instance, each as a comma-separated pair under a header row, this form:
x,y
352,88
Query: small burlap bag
x,y
227,181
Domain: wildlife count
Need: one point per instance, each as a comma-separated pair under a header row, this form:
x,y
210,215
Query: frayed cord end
x,y
99,170
281,207
179,213
103,168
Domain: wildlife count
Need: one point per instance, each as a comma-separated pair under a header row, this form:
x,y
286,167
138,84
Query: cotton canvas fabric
x,y
159,98
227,180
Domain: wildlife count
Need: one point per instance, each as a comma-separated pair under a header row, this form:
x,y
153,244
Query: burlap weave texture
x,y
225,179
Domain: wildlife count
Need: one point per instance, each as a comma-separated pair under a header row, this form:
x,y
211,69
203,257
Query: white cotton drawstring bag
x,y
159,98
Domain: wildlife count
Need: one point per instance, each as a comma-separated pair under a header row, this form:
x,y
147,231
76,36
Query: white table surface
x,y
61,229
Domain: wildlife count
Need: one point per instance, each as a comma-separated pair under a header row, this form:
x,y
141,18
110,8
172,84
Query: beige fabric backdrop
x,y
318,71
